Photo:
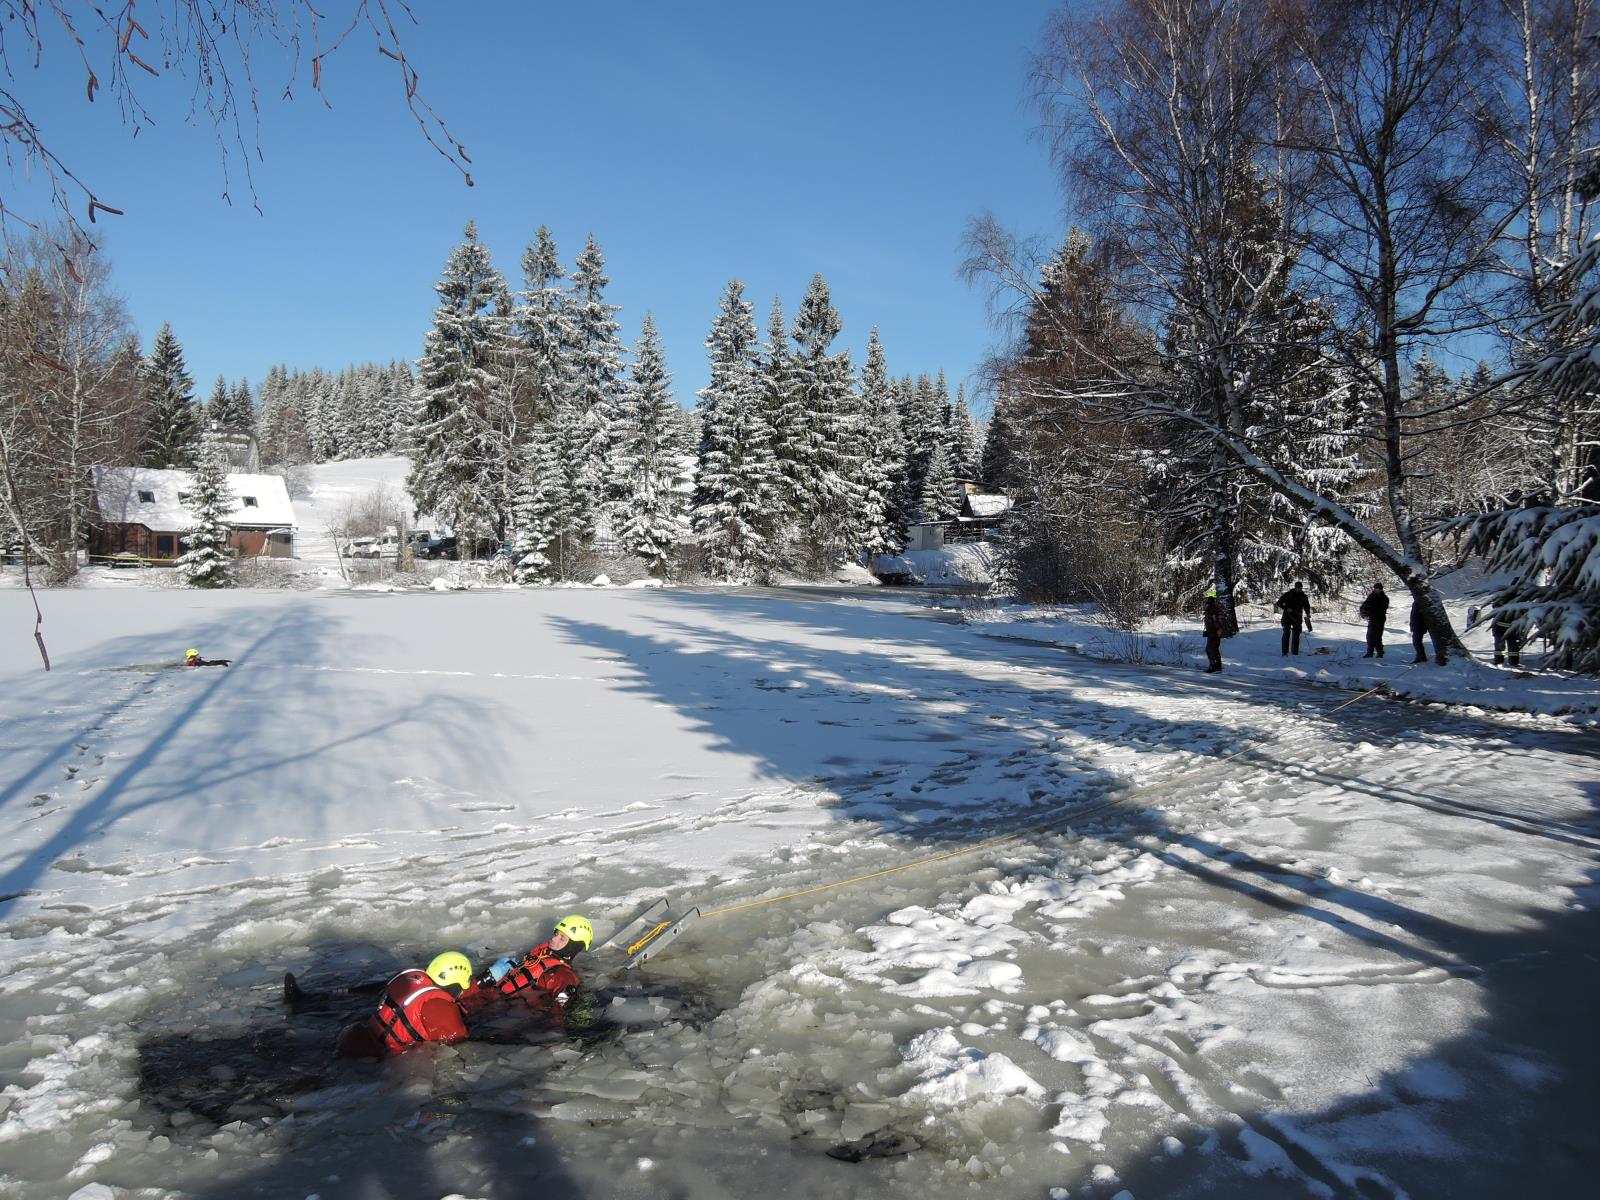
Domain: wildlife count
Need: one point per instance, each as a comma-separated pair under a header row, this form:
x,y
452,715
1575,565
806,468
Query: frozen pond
x,y
1356,960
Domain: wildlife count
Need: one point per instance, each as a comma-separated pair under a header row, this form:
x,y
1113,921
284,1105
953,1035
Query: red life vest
x,y
415,1009
542,969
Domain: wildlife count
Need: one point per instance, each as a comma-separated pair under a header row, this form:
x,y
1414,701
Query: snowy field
x,y
1266,948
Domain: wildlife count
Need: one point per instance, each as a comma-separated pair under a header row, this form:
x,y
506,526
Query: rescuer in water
x,y
435,1005
546,970
417,1007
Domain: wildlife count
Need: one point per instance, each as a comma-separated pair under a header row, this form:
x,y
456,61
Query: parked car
x,y
444,547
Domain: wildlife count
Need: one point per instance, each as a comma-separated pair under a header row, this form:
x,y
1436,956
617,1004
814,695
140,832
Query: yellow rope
x,y
1000,839
647,938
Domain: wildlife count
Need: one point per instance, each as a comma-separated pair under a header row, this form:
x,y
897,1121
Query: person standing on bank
x,y
1213,629
1374,610
1296,607
1419,630
1508,642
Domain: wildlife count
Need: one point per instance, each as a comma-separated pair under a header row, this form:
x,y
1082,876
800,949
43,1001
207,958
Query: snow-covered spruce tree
x,y
229,408
737,476
1552,558
594,382
961,436
551,402
938,500
402,396
216,404
1550,554
1077,529
172,436
883,457
456,442
534,511
542,325
998,465
323,419
241,409
282,425
830,452
567,482
363,407
210,500
922,420
1297,411
651,520
786,433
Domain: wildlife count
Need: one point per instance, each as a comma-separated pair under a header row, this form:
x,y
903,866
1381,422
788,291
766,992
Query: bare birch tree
x,y
1546,56
68,390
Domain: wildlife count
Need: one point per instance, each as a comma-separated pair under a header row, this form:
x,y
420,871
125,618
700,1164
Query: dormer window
x,y
250,502
147,497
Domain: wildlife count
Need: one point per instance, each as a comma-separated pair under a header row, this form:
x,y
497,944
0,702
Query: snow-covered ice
x,y
1262,948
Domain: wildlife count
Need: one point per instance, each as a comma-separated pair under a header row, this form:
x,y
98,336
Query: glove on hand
x,y
502,967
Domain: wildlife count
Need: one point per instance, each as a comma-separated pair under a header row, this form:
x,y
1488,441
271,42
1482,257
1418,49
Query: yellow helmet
x,y
451,967
577,929
191,654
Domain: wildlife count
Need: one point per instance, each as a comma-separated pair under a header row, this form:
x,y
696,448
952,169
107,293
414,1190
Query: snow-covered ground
x,y
1260,947
332,488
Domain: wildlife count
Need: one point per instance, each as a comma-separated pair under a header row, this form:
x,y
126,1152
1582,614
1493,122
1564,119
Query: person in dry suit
x,y
191,658
417,1007
1508,642
546,970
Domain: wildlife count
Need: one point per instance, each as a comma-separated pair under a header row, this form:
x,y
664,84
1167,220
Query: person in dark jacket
x,y
1296,606
1213,629
1419,631
1507,643
1374,610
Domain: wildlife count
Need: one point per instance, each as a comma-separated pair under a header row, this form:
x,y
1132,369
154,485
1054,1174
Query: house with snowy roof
x,y
141,511
979,514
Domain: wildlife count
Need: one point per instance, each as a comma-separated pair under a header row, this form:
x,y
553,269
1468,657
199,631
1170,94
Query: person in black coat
x,y
1374,610
1213,629
1419,630
1296,607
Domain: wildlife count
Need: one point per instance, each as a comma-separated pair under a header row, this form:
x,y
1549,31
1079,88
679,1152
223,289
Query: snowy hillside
x,y
333,488
1247,945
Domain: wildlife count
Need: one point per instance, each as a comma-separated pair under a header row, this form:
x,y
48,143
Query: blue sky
x,y
696,141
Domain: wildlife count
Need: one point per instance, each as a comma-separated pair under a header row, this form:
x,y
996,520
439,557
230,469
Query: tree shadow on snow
x,y
899,739
260,755
1505,1108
